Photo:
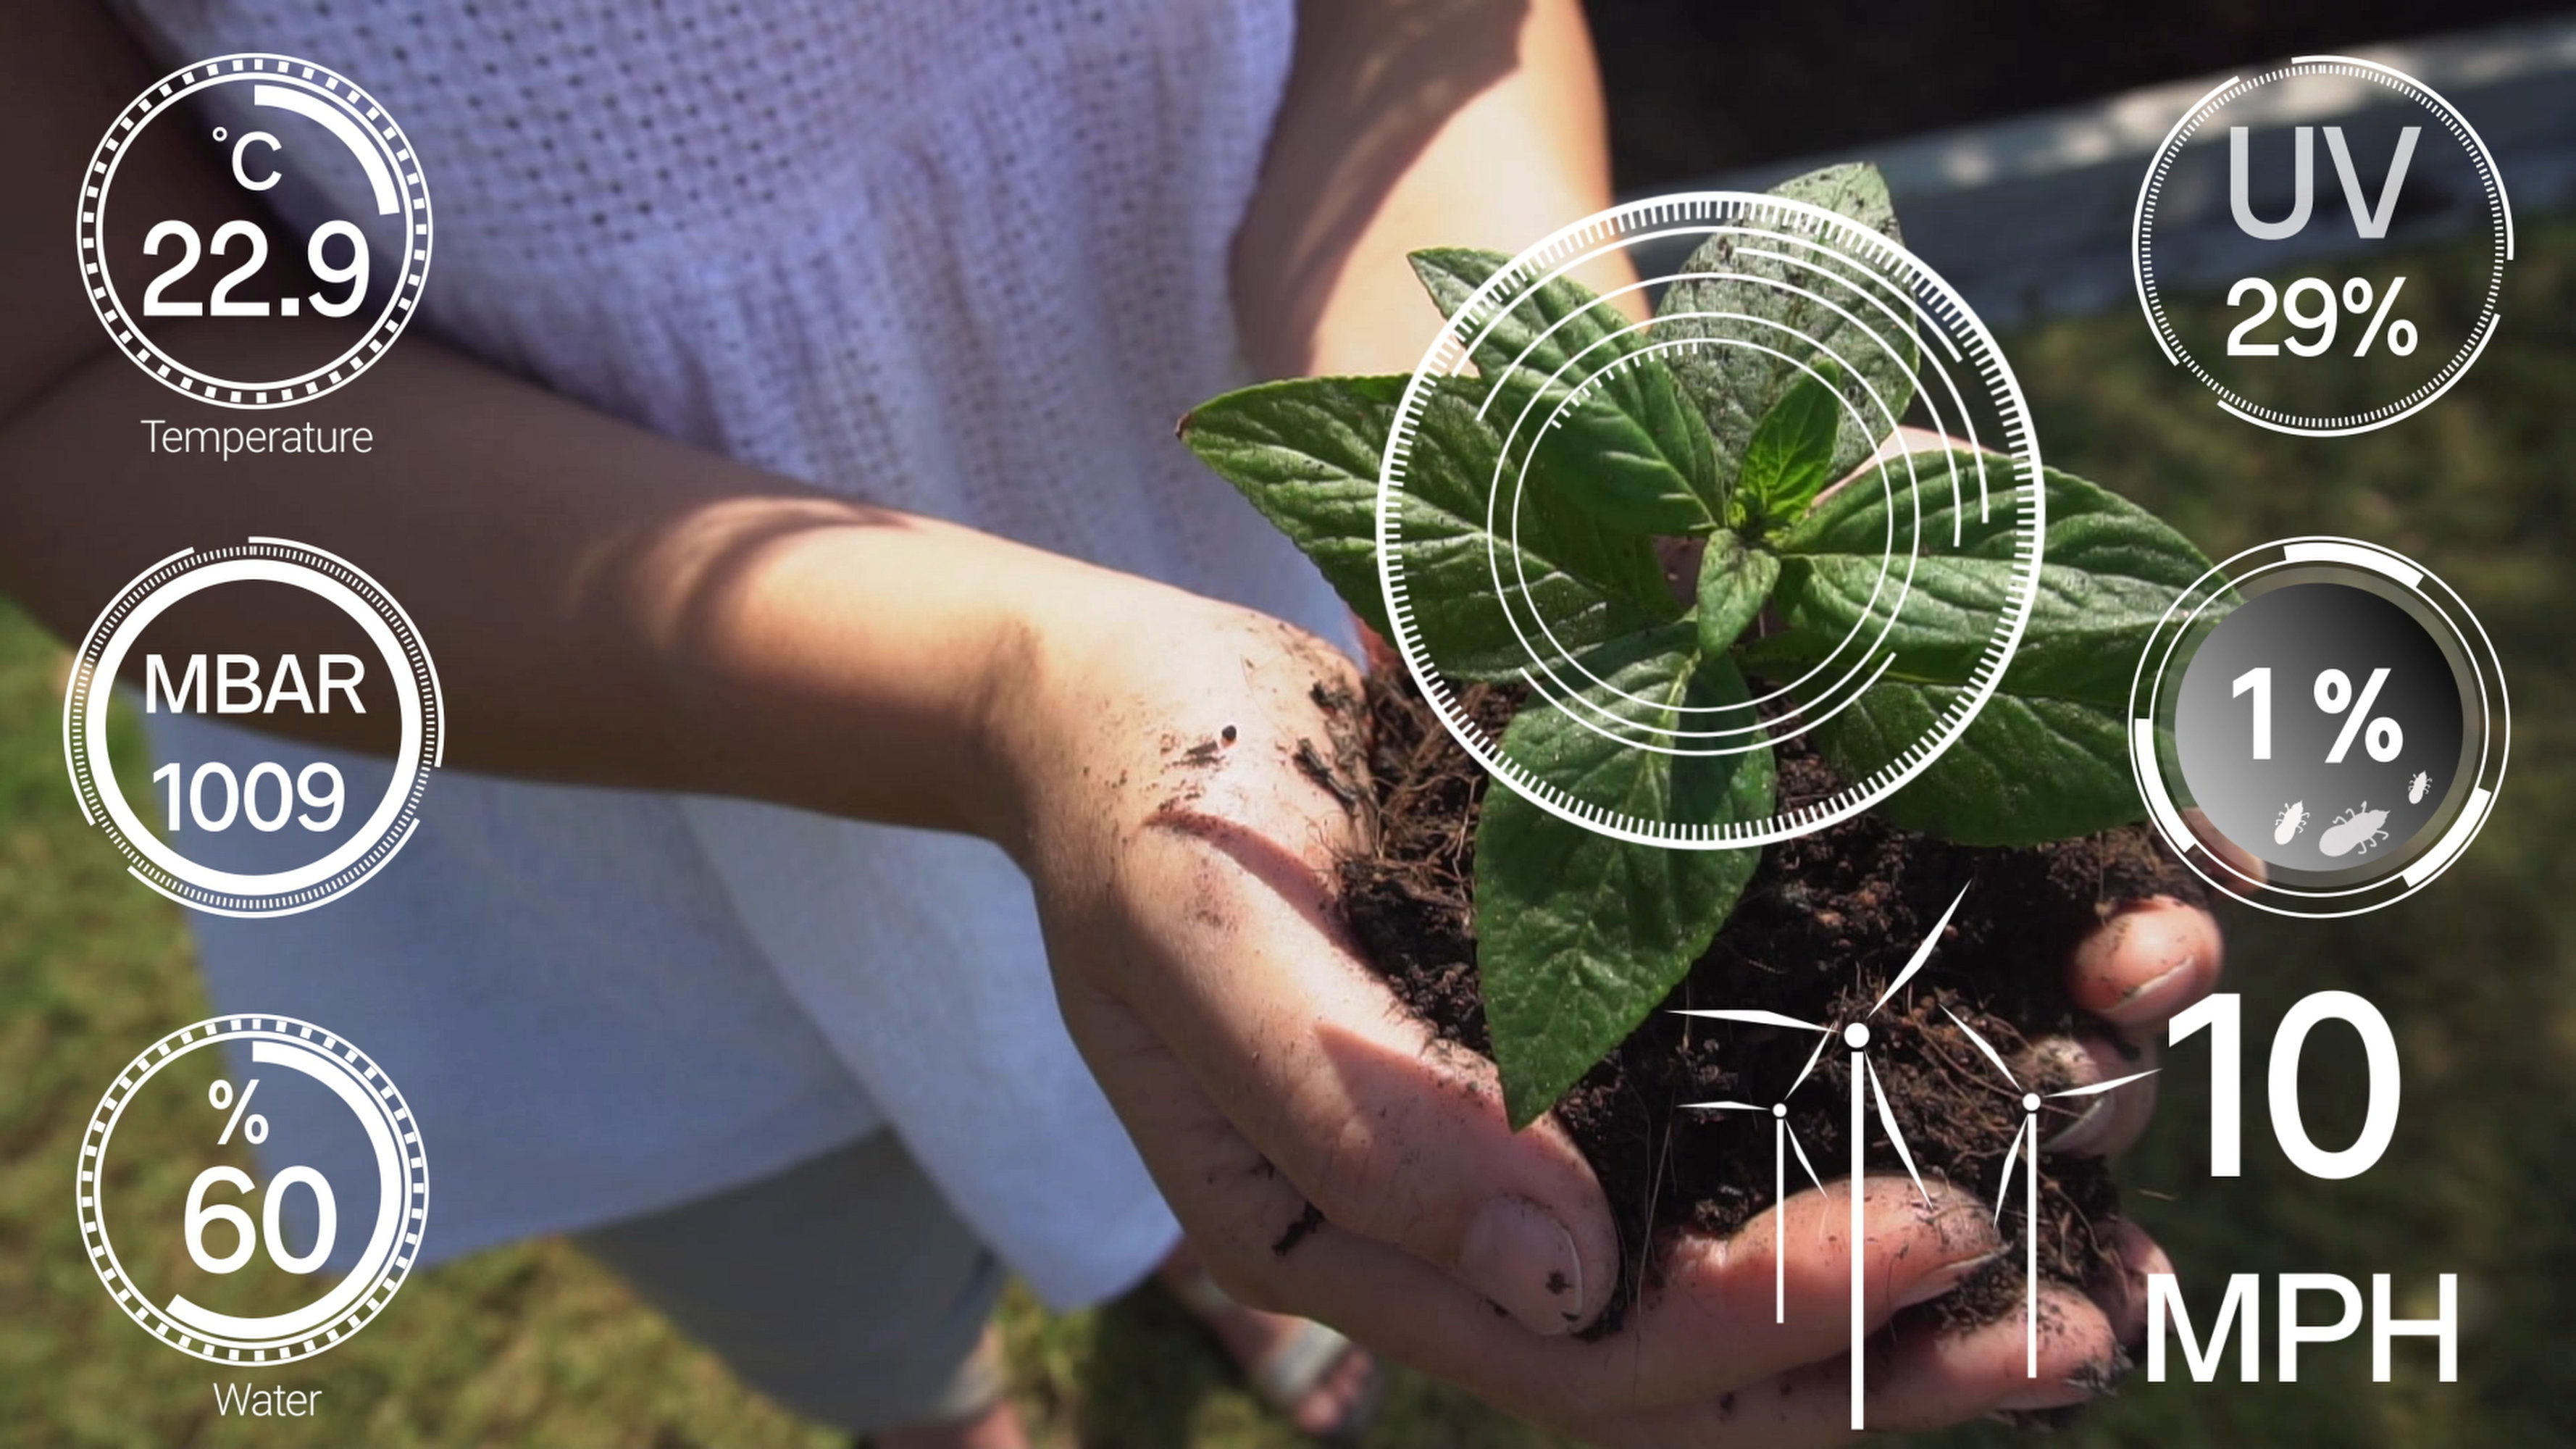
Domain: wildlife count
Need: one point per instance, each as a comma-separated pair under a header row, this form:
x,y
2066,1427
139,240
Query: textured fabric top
x,y
967,259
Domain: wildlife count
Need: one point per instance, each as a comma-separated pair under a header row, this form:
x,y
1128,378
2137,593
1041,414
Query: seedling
x,y
1580,935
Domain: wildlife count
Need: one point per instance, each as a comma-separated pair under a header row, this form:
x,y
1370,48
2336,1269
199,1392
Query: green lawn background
x,y
535,1345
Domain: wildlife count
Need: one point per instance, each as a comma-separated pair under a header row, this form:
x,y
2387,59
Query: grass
x,y
534,1344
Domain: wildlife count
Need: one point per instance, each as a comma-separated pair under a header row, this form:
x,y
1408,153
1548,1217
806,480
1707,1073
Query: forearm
x,y
1408,125
604,606
654,616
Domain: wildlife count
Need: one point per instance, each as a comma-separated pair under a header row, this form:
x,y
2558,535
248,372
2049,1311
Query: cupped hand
x,y
1185,799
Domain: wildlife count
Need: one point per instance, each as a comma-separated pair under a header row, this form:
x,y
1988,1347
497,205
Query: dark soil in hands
x,y
1827,922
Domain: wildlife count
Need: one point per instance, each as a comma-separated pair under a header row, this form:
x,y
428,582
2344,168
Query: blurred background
x,y
2012,138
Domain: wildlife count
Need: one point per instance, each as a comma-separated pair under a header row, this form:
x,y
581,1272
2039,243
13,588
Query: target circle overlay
x,y
276,126
2233,148
273,1044
152,858
1774,290
2383,727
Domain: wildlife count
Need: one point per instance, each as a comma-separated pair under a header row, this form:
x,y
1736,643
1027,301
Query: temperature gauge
x,y
313,279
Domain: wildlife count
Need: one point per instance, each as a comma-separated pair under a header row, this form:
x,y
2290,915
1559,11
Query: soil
x,y
1826,923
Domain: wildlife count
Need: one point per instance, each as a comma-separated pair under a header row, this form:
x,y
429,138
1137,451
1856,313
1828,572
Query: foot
x,y
994,1426
1333,1403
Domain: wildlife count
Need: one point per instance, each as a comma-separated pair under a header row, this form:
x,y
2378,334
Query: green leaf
x,y
1790,457
1632,448
1580,935
1855,189
1306,453
1586,583
1736,384
2046,758
2109,570
1734,582
2028,769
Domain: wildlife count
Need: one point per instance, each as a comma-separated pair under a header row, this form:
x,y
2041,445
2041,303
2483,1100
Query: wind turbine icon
x,y
1784,1139
2028,1133
1864,1083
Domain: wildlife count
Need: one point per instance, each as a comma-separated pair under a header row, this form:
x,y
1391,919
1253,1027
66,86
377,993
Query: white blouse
x,y
967,259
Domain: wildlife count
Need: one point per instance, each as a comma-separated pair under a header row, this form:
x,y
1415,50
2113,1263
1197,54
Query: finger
x,y
1709,1330
2151,959
2100,1124
1913,1381
1940,1379
1391,1135
1254,1231
1775,1310
2229,855
2122,1294
1237,1210
1374,648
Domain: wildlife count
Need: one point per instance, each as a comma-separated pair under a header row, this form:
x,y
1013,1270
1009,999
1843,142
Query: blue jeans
x,y
843,1287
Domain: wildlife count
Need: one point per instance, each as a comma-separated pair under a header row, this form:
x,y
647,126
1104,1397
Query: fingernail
x,y
1517,1254
2083,1134
2089,1382
2156,999
1944,1279
2059,1394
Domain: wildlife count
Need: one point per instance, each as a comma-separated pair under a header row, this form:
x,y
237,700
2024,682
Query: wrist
x,y
1051,691
854,662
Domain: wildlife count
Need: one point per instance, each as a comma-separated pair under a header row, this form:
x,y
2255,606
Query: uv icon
x,y
2370,222
2343,351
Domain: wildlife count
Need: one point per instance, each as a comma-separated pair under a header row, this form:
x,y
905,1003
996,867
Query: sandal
x,y
1292,1368
982,1381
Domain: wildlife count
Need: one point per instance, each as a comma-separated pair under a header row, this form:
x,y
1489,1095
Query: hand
x,y
1184,866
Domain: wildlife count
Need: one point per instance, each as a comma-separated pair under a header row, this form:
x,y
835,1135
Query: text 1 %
x,y
2382,736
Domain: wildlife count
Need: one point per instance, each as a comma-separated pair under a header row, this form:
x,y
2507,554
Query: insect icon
x,y
2354,830
2292,819
2416,787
